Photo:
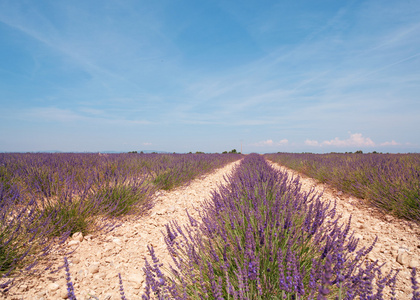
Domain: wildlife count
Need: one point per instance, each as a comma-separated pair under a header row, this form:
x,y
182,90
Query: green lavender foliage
x,y
391,182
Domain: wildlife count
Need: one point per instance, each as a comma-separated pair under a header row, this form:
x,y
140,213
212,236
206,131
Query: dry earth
x,y
98,258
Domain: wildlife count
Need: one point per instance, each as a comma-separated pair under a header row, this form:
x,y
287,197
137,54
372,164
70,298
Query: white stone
x,y
94,269
75,260
53,287
64,294
414,263
135,278
358,236
403,258
73,242
78,236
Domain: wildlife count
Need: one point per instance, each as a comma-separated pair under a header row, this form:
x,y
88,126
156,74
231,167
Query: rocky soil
x,y
98,258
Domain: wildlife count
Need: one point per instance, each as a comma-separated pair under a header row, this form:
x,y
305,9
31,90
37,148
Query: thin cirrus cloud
x,y
355,140
271,143
391,143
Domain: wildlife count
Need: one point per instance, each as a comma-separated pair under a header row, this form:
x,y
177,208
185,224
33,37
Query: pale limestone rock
x,y
73,242
77,236
414,263
24,287
403,258
94,269
371,256
75,260
52,287
64,294
135,278
358,236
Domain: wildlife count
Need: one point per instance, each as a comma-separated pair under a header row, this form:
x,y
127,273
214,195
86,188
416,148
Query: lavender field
x,y
44,198
259,236
390,182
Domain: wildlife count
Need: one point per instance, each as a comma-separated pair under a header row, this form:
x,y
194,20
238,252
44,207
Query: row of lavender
x,y
44,197
261,237
390,182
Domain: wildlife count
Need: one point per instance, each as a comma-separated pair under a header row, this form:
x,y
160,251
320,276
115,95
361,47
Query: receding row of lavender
x,y
261,237
44,197
390,182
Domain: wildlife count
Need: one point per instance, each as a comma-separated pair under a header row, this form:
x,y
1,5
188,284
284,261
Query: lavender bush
x,y
46,197
177,169
260,237
390,182
23,232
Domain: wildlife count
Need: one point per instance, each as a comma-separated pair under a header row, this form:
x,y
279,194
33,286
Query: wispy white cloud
x,y
59,115
52,114
312,143
391,143
355,140
146,144
269,143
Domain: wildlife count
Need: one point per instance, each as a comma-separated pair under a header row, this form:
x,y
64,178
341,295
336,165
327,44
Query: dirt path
x,y
98,258
398,241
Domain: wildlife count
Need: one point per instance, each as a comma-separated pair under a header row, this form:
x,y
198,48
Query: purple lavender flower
x,y
416,294
70,288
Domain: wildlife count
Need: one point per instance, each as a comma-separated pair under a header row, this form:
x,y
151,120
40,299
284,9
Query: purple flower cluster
x,y
260,237
390,182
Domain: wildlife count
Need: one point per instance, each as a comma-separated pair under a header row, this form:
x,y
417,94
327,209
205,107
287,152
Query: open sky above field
x,y
290,76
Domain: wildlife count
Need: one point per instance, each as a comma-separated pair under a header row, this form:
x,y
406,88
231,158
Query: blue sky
x,y
182,76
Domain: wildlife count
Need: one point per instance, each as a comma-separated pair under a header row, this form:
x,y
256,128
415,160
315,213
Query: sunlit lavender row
x,y
261,237
44,197
390,182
